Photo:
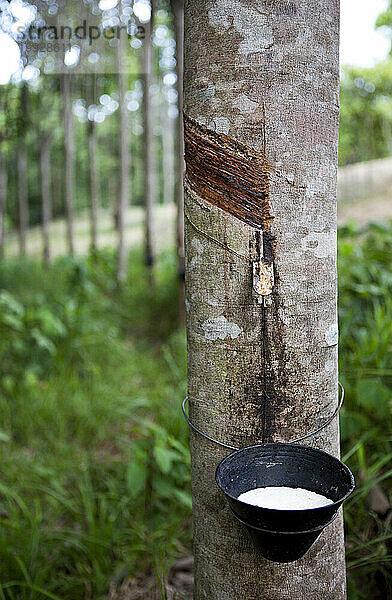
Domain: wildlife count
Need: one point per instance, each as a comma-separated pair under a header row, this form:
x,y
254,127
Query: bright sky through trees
x,y
360,44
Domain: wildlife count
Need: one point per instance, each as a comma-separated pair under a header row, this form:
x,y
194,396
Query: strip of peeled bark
x,y
261,116
227,174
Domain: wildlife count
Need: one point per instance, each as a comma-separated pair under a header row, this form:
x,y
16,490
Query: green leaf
x,y
163,486
164,458
136,477
12,321
4,437
8,301
50,324
374,396
184,498
42,341
353,424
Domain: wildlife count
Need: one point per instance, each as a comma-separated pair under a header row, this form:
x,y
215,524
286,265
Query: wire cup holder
x,y
299,439
282,535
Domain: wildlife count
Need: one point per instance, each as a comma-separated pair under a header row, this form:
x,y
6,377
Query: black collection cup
x,y
284,535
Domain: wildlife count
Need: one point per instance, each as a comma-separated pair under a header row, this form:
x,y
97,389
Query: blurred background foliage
x,y
365,113
366,107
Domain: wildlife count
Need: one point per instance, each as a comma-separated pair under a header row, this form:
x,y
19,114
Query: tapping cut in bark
x,y
227,174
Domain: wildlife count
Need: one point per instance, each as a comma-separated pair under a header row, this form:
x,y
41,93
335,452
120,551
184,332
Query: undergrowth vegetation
x,y
94,482
365,347
94,469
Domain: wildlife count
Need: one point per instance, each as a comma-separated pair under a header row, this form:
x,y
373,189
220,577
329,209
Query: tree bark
x,y
3,200
22,195
21,165
94,202
69,156
178,11
168,152
124,166
148,146
46,197
261,133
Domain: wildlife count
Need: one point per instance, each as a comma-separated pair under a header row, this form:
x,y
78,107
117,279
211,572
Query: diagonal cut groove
x,y
227,174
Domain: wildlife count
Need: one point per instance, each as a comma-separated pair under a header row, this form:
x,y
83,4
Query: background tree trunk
x,y
261,133
124,165
22,169
93,173
69,156
46,197
148,144
22,196
168,152
3,200
178,11
94,201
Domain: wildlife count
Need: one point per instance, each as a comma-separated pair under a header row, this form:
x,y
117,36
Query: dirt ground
x,y
363,211
178,586
163,232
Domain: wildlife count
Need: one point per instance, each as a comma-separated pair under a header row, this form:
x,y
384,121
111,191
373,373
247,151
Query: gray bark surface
x,y
264,74
69,157
46,197
3,200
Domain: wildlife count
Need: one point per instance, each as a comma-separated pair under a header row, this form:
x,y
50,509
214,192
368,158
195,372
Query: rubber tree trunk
x,y
178,12
22,195
261,132
69,157
3,200
124,165
148,146
168,154
94,202
21,165
46,197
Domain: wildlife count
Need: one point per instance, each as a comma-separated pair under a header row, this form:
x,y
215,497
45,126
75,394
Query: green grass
x,y
163,229
94,469
94,457
365,315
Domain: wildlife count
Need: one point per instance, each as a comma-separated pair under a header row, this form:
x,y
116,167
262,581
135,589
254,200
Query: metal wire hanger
x,y
299,439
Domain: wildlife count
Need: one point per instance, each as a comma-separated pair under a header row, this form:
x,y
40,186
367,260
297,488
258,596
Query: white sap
x,y
284,498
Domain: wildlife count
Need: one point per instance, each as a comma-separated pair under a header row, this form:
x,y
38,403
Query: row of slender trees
x,y
106,123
